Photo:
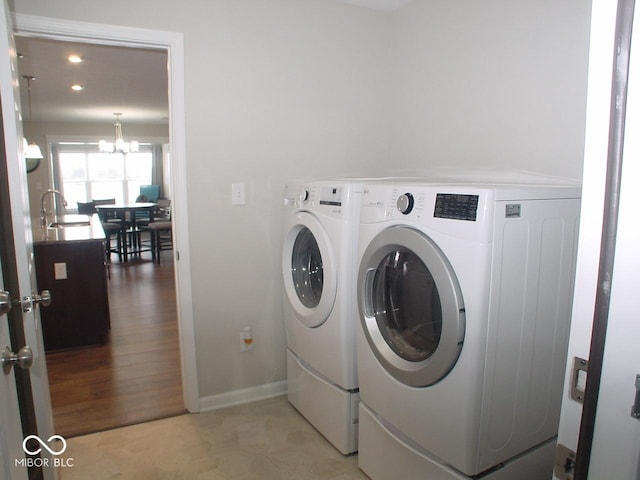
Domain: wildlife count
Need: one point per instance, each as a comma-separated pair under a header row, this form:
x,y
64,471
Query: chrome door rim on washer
x,y
316,315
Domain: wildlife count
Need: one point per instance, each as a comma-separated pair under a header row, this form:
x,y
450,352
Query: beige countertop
x,y
73,231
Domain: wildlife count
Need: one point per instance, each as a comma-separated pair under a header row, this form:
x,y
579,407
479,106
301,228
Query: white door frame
x,y
172,42
614,451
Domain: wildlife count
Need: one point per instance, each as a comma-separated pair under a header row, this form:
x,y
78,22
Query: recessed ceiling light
x,y
77,87
75,59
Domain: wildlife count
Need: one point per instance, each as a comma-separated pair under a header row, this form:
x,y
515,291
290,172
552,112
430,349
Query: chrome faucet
x,y
43,211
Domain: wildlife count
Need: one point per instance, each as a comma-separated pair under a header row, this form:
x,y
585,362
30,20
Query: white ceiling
x,y
130,81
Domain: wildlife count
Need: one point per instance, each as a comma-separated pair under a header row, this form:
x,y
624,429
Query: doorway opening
x,y
178,266
134,376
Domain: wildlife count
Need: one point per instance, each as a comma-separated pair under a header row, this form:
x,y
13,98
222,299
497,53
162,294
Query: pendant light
x,y
32,150
118,145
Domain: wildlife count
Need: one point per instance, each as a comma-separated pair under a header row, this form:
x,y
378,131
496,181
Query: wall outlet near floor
x,y
246,339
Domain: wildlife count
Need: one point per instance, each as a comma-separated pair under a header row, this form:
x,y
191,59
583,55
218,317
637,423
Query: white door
x,y
10,428
616,440
615,451
17,244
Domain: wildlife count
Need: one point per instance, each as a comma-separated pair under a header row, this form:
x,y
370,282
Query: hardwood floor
x,y
135,376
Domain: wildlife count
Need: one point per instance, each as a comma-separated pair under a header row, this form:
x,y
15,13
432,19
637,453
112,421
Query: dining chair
x,y
86,208
142,216
161,229
105,215
152,192
147,193
112,227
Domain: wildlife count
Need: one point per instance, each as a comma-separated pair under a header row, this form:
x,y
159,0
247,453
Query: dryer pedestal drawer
x,y
385,455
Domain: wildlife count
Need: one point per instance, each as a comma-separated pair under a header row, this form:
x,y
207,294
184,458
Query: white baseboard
x,y
245,395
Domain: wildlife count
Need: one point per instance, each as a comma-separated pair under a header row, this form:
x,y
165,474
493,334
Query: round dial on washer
x,y
304,195
405,203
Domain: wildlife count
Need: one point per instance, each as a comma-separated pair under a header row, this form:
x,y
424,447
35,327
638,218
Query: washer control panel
x,y
330,199
405,203
331,196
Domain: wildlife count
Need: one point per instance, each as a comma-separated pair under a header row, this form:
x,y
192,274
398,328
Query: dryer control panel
x,y
456,206
462,211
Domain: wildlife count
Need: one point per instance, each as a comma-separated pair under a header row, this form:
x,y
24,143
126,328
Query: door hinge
x,y
635,409
579,378
565,463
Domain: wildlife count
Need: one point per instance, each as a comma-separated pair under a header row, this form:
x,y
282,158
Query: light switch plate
x,y
237,194
60,271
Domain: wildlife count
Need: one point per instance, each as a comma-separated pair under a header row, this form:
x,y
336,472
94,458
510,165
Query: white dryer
x,y
319,269
464,293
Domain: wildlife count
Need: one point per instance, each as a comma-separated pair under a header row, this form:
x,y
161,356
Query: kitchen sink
x,y
76,223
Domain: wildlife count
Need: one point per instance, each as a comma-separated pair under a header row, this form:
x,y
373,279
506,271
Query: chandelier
x,y
118,145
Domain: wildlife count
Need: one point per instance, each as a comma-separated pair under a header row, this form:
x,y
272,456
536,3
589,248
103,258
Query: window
x,y
85,174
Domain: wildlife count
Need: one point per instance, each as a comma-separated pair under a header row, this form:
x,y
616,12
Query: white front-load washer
x,y
320,224
464,294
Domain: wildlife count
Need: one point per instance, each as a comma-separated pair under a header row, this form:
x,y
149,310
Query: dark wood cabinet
x,y
74,272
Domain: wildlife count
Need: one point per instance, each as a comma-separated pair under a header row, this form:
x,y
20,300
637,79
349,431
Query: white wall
x,y
495,83
296,90
289,88
274,89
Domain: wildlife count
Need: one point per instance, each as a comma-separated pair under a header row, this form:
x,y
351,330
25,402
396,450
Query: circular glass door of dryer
x,y
308,270
411,306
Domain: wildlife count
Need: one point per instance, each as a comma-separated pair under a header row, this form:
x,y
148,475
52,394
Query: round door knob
x,y
43,299
23,359
405,203
5,302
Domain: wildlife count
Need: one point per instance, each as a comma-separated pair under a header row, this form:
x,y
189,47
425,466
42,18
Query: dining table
x,y
127,214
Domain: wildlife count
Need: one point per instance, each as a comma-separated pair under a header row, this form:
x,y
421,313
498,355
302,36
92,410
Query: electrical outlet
x,y
246,339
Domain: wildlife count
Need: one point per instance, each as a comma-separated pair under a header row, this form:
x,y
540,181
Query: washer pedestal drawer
x,y
330,409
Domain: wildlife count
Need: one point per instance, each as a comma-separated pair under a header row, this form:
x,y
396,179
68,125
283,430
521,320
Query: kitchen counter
x,y
71,263
74,231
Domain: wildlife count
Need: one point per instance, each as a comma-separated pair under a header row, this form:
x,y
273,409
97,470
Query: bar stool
x,y
160,229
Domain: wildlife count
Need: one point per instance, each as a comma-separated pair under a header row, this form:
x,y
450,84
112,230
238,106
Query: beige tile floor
x,y
262,440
